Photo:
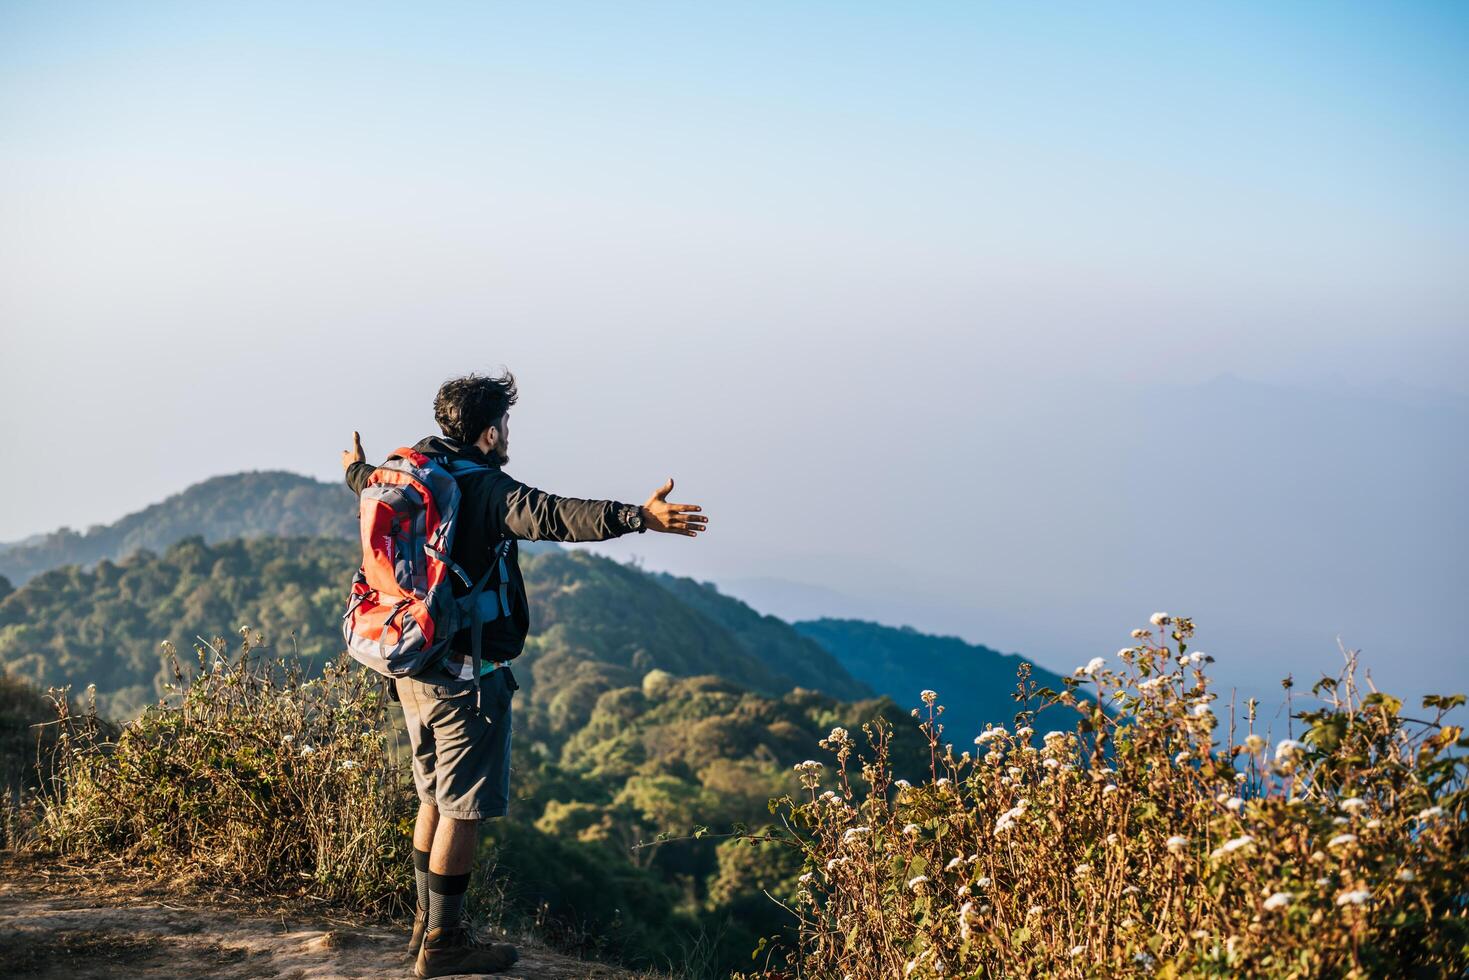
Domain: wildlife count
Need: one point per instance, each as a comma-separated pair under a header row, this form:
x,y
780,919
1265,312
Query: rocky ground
x,y
63,921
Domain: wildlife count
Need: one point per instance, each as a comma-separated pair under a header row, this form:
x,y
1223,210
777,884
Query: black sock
x,y
446,899
420,876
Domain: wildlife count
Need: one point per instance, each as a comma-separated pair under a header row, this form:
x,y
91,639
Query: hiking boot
x,y
451,949
420,925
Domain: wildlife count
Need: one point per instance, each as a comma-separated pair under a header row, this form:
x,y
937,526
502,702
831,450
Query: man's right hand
x,y
353,455
660,515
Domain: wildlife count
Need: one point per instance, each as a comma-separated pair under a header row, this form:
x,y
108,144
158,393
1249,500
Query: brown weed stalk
x,y
1140,842
248,775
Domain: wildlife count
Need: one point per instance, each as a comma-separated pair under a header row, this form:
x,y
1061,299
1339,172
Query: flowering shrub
x,y
248,775
1141,842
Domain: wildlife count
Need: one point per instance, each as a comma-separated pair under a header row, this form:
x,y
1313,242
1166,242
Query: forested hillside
x,y
241,505
596,625
974,682
768,638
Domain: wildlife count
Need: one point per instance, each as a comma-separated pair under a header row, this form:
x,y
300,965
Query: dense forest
x,y
597,625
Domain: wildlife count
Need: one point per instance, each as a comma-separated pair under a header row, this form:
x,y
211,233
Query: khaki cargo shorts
x,y
461,757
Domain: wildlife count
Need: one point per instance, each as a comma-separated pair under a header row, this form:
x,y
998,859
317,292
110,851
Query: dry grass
x,y
248,775
1141,843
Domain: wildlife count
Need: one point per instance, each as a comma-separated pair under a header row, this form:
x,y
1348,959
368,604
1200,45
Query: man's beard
x,y
502,453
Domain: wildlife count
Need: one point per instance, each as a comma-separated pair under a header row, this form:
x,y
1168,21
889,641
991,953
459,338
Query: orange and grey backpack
x,y
402,611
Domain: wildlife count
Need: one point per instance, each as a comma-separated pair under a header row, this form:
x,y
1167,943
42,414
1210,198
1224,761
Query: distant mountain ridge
x,y
240,505
170,571
974,683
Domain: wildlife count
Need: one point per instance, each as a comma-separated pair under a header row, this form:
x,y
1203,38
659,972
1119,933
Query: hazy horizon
x,y
1015,324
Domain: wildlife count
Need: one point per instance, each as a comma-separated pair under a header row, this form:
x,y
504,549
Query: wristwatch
x,y
631,516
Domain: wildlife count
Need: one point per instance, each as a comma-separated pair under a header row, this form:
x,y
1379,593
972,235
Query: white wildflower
x,y
308,750
1360,896
806,878
1373,824
1233,804
855,833
1109,789
954,863
1007,819
911,830
1406,875
1354,805
1230,846
1288,750
1024,732
1181,758
1077,950
983,882
929,697
1254,744
1139,634
917,881
1082,870
902,784
1277,901
966,916
1033,910
1430,813
1340,840
1090,668
347,764
1160,619
288,738
1177,844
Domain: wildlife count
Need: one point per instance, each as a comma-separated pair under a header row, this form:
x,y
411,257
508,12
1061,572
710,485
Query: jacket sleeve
x,y
523,512
357,475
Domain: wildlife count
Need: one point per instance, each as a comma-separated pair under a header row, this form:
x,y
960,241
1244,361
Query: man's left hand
x,y
353,455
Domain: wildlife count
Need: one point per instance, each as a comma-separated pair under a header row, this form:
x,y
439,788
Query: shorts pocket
x,y
444,692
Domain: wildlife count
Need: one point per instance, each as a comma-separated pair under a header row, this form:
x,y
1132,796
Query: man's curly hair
x,y
465,407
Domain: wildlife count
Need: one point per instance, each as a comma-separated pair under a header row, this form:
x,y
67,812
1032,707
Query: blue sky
x,y
903,293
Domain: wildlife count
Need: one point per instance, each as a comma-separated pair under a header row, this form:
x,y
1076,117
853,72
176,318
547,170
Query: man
x,y
461,754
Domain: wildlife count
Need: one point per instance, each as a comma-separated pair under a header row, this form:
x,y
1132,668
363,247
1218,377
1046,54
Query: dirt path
x,y
67,922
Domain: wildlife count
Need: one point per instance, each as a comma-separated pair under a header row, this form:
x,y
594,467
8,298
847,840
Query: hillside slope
x,y
771,639
973,682
596,624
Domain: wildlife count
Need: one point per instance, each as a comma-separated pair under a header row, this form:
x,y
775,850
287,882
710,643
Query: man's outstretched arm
x,y
524,512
